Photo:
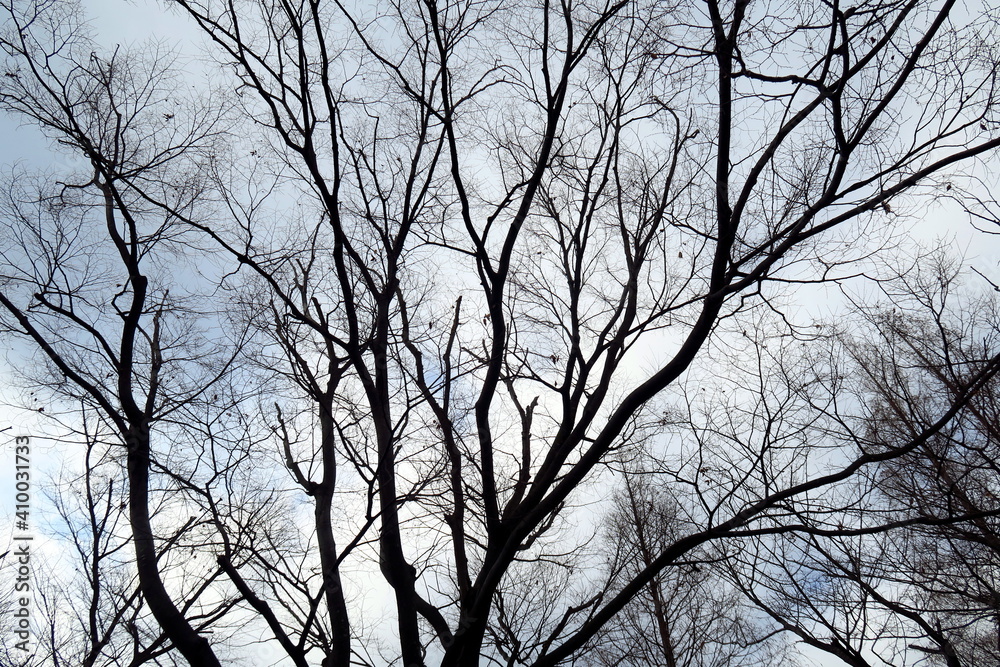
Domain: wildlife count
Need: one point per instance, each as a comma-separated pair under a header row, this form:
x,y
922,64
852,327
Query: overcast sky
x,y
134,23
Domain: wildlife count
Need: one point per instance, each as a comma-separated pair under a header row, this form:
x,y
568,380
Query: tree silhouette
x,y
398,305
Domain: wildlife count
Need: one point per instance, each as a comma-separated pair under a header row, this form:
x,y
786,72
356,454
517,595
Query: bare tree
x,y
86,265
909,572
458,231
687,615
87,608
102,619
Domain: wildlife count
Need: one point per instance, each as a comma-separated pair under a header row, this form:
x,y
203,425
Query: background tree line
x,y
477,333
